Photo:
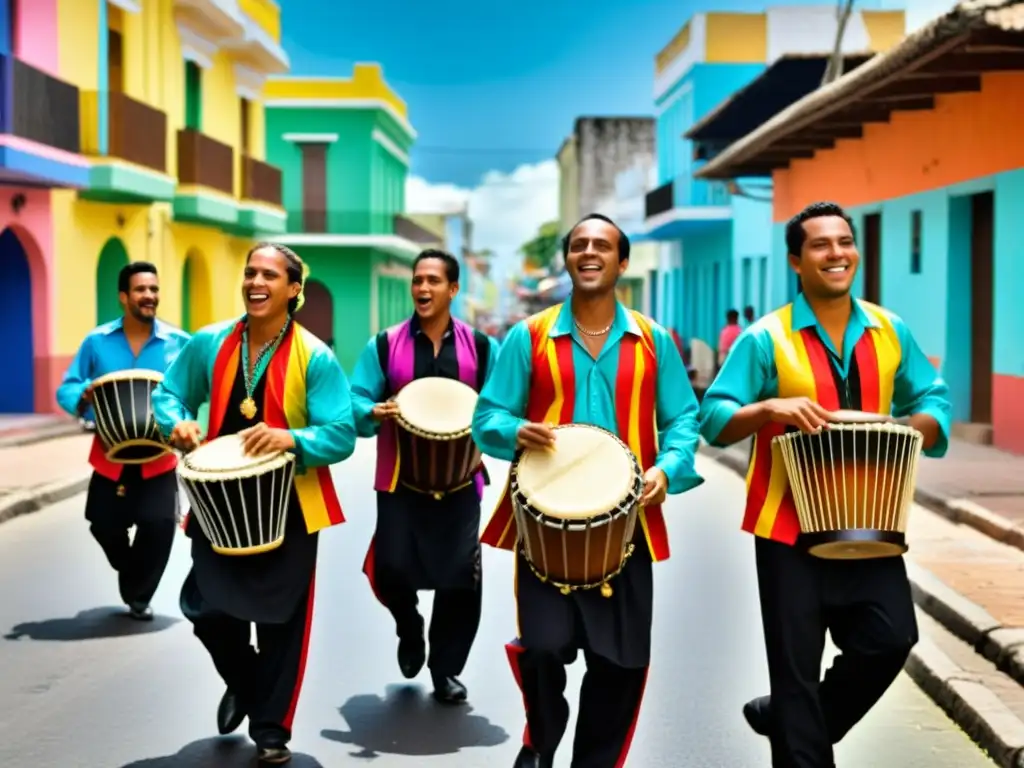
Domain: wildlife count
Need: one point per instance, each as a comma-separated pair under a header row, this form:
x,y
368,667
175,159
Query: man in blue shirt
x,y
123,495
791,370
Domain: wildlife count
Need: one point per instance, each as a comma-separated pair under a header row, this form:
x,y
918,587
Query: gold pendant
x,y
606,590
248,408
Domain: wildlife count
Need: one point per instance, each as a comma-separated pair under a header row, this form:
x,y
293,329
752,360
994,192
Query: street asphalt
x,y
81,686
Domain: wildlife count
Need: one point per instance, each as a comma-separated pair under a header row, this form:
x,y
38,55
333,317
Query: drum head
x,y
588,472
129,374
225,455
859,417
437,406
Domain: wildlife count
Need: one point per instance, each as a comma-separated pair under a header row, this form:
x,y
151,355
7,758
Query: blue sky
x,y
489,91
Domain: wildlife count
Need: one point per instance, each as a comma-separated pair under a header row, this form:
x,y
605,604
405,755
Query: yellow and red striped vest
x,y
552,400
804,370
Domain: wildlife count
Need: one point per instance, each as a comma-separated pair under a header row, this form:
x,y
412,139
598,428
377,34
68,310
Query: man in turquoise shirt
x,y
123,495
792,370
595,342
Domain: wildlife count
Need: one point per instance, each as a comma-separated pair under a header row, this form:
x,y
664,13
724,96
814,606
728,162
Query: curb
x,y
24,502
962,695
41,434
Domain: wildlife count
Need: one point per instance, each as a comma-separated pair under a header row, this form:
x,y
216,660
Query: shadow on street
x,y
407,721
224,752
93,624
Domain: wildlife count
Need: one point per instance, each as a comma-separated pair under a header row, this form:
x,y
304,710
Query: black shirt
x,y
445,364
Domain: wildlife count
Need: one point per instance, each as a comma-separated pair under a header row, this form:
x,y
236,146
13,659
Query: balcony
x,y
39,128
258,46
205,193
132,168
413,232
343,228
260,208
211,19
685,206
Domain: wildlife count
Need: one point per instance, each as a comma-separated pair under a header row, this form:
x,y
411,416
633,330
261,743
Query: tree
x,y
834,68
539,252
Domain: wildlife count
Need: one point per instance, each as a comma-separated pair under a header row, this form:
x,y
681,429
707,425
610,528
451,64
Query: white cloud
x,y
506,209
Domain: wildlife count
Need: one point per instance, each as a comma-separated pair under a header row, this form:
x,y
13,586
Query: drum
x,y
576,507
123,405
437,454
853,484
241,502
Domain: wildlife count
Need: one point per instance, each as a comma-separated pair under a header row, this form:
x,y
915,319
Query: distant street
x,y
81,687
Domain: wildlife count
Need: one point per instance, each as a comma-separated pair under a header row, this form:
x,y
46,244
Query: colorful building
x,y
454,231
920,144
343,145
139,127
715,239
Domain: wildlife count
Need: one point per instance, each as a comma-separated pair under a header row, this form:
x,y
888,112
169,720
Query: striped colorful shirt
x,y
787,353
636,388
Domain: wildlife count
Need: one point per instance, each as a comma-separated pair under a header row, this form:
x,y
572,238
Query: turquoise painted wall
x,y
707,284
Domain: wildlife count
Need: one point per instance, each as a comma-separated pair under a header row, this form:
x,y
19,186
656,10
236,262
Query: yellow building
x,y
172,124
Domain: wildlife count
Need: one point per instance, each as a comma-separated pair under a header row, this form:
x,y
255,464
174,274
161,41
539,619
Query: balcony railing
x,y
658,200
205,161
38,106
260,181
410,230
137,132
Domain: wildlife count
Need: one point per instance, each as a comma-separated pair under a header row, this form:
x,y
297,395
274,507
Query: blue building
x,y
719,74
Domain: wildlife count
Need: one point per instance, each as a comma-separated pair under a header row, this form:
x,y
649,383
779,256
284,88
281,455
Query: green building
x,y
343,148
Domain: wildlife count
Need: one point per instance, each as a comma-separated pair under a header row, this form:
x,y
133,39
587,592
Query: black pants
x,y
267,681
112,508
609,705
454,620
866,606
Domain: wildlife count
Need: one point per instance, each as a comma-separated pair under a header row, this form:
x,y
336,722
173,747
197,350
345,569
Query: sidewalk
x,y
42,472
969,586
29,428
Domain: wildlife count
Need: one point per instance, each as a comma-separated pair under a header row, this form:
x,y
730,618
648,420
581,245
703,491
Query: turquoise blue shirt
x,y
749,374
369,384
501,410
330,434
106,350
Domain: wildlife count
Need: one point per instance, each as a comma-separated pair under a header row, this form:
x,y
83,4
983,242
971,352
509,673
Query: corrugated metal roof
x,y
934,38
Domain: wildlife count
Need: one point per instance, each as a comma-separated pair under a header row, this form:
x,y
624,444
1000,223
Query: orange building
x,y
922,145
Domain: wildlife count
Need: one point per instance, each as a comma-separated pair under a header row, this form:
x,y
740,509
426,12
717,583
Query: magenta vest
x,y
401,362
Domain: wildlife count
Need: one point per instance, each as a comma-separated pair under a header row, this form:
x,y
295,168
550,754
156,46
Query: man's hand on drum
x,y
383,411
655,487
800,412
185,435
260,439
538,437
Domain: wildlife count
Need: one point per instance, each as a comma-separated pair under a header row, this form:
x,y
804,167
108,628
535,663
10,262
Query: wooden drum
x,y
436,451
853,484
125,424
241,502
576,507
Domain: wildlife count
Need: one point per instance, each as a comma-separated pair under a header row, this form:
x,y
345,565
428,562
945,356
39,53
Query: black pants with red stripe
x,y
267,681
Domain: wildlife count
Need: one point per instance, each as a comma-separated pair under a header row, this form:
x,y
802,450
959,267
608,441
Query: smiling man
x,y
589,361
424,541
121,496
824,352
244,368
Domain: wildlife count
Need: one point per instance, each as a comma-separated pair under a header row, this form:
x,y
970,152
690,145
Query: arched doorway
x,y
17,388
317,313
113,258
196,299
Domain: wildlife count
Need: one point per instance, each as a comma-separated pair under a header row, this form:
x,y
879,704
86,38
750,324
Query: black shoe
x,y
448,690
529,758
230,713
274,755
412,652
140,611
758,713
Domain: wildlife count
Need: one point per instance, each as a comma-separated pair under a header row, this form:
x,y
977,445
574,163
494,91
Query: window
x,y
314,187
915,242
244,125
193,96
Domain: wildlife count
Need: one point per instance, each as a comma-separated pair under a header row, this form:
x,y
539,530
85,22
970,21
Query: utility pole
x,y
834,68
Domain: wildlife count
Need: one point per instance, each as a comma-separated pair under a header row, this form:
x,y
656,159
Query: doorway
x,y
871,258
982,207
17,392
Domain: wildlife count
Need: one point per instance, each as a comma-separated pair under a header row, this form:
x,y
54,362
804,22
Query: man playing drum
x,y
589,361
123,495
280,388
826,351
423,542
